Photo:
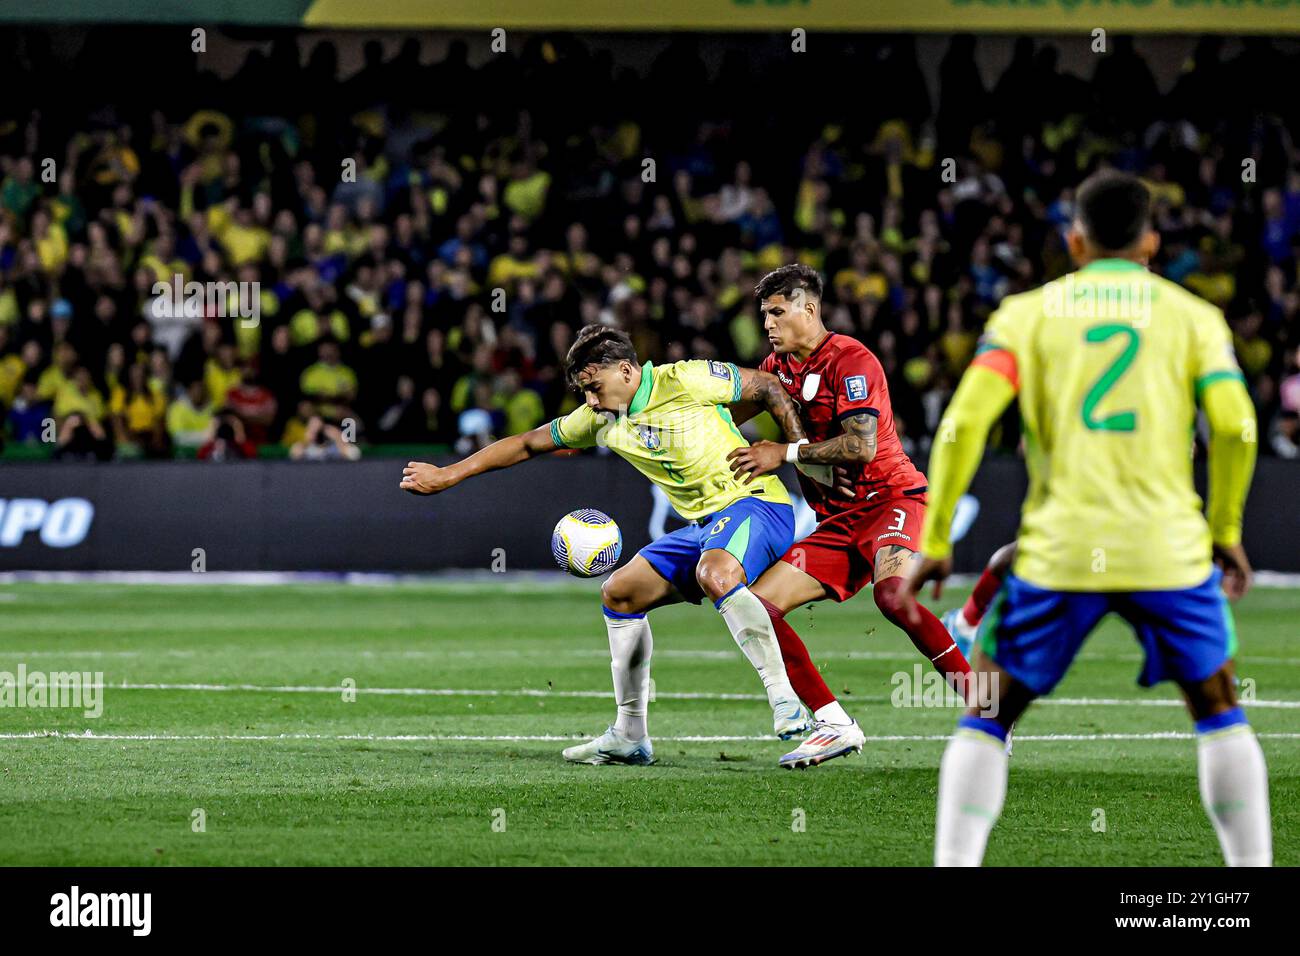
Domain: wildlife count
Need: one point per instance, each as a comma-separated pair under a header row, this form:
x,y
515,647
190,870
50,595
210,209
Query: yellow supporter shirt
x,y
141,412
69,400
50,382
185,420
53,249
527,196
219,380
12,371
304,328
328,381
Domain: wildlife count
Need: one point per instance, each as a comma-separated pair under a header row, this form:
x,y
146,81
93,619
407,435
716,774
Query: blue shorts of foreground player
x,y
753,531
1034,634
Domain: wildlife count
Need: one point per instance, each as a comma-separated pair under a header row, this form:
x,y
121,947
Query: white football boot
x,y
612,747
790,718
826,742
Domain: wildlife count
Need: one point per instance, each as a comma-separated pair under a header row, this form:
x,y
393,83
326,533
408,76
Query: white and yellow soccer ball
x,y
587,543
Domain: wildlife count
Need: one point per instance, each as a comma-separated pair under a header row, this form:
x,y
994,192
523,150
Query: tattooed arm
x,y
856,446
762,457
761,391
764,391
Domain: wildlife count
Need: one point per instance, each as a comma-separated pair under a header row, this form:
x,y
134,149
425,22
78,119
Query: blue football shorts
x,y
1034,633
754,531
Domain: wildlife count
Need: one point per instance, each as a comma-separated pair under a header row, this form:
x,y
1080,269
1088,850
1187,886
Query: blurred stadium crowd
x,y
583,190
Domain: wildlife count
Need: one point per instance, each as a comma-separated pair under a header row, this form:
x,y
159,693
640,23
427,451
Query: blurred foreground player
x,y
868,537
1108,366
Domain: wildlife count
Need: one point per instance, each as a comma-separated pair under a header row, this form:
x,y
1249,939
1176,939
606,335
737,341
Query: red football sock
x,y
930,637
981,597
804,676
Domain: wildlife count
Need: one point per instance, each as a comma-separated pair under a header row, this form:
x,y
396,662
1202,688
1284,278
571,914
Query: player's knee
x,y
718,573
616,595
888,595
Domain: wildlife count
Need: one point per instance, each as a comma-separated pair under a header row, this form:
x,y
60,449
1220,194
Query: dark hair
x,y
1114,209
598,345
785,280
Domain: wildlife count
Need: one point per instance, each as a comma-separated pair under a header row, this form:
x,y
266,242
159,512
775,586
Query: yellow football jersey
x,y
1109,362
677,432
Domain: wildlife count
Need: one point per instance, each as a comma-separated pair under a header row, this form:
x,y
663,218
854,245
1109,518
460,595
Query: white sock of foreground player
x,y
972,786
630,646
751,628
1234,788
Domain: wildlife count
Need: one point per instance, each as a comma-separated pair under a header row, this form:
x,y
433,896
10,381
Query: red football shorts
x,y
841,553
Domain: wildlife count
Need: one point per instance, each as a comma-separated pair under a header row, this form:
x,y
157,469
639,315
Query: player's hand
x,y
926,569
759,458
1237,573
421,478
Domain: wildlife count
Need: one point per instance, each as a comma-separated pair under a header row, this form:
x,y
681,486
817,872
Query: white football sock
x,y
972,786
751,628
630,646
833,713
1234,789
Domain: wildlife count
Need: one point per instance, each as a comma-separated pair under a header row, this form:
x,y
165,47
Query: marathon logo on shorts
x,y
855,388
720,369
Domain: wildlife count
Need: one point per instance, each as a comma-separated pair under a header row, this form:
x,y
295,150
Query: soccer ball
x,y
587,543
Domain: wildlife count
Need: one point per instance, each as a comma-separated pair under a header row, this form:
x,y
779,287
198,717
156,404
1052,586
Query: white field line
x,y
604,694
499,654
542,653
543,738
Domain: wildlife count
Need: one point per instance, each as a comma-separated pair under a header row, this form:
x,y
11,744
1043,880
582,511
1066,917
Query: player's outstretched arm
x,y
1232,450
421,478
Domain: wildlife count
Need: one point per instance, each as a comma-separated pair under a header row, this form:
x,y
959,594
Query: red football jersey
x,y
841,378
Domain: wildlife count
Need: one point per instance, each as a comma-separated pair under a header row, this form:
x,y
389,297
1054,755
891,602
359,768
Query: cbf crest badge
x,y
649,436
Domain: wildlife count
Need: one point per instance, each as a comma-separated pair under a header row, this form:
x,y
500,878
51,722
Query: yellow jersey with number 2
x,y
677,432
1109,362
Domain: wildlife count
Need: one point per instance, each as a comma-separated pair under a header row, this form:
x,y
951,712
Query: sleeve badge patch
x,y
720,369
855,388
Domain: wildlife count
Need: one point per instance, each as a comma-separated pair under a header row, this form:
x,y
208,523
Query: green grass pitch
x,y
286,771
